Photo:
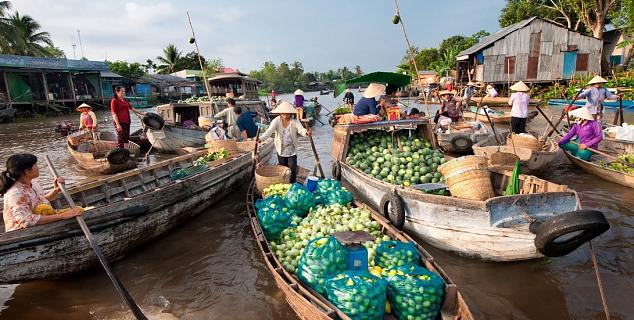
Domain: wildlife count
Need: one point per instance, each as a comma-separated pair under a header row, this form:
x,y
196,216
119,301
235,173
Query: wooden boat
x,y
130,209
616,146
594,167
91,155
531,160
310,305
504,118
627,104
460,138
496,229
499,101
172,138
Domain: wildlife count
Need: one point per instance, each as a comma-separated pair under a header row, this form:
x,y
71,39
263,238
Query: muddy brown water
x,y
211,268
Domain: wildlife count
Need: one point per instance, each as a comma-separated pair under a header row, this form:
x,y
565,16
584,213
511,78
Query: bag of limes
x,y
331,192
414,292
299,199
320,259
396,253
358,294
273,215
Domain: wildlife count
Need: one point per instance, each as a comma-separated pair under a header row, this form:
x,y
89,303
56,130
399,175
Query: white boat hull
x,y
170,139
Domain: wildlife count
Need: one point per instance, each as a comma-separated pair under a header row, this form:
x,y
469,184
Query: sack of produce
x,y
359,294
330,191
299,199
320,259
273,216
326,186
279,189
414,292
394,253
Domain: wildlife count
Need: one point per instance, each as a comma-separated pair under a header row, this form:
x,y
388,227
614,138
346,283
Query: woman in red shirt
x,y
120,108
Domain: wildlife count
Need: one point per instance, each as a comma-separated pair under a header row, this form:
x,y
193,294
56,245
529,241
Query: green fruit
x,y
192,40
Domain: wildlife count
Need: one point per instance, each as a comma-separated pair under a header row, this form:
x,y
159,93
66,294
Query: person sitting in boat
x,y
385,102
588,133
449,106
595,95
189,123
22,194
519,101
491,92
217,132
468,93
87,119
367,104
348,98
246,125
229,116
286,132
299,102
415,114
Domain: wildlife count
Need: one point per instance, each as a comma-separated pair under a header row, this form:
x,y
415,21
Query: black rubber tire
x,y
575,227
336,170
465,145
392,209
118,156
153,121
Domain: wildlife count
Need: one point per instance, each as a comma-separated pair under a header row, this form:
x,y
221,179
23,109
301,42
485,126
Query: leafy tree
x,y
190,62
25,37
213,66
170,60
54,52
357,71
519,10
5,31
149,66
129,70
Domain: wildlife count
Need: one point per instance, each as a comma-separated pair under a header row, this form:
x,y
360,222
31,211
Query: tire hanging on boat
x,y
153,121
392,209
564,233
118,156
461,143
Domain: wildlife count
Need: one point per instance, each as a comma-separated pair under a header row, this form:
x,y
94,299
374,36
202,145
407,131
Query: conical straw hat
x,y
582,113
597,79
284,107
373,90
83,105
520,86
299,92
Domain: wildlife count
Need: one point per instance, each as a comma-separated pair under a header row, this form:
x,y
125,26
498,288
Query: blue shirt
x,y
595,97
245,122
365,106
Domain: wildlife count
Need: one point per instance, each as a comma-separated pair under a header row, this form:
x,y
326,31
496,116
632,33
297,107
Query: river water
x,y
211,268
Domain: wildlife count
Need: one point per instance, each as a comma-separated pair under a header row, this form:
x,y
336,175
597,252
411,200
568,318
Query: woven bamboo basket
x,y
524,141
266,175
473,184
229,145
463,163
246,146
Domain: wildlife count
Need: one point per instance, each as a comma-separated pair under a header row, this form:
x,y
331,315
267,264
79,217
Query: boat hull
x,y
531,160
476,229
135,216
505,119
627,104
621,178
616,146
170,139
498,101
100,165
445,140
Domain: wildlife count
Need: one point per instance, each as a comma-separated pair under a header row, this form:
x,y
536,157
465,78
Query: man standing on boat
x,y
368,104
595,95
229,116
519,101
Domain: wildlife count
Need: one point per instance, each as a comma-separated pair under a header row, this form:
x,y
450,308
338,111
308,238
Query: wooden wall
x,y
548,53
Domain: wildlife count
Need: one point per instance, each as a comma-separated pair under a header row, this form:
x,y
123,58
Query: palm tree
x,y
4,26
25,38
171,57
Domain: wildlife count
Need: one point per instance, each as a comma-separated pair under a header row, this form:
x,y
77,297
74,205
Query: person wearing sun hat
x,y
467,94
348,98
587,131
87,118
449,107
286,130
519,101
595,95
299,102
491,92
367,104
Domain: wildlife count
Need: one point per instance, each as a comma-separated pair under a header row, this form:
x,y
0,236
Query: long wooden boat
x,y
531,160
627,104
595,168
461,141
616,146
124,211
496,229
172,138
91,155
495,118
499,101
310,305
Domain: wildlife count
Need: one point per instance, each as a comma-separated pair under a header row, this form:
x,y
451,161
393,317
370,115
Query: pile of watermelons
x,y
401,158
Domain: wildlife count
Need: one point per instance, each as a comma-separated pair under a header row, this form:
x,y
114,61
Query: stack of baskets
x,y
230,145
524,140
468,177
266,175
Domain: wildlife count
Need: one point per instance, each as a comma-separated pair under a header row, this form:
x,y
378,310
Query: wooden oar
x,y
255,151
95,247
492,126
564,113
618,116
315,155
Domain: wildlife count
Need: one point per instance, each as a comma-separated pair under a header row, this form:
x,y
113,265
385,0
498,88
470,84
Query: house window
x,y
509,65
582,62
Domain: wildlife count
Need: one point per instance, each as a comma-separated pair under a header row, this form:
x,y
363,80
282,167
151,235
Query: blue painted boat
x,y
628,105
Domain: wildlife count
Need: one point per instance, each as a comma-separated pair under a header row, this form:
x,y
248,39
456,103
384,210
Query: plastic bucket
x,y
311,183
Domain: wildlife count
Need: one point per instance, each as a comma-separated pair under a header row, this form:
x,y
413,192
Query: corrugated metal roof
x,y
110,74
490,39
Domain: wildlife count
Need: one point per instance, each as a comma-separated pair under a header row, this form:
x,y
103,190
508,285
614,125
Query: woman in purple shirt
x,y
588,133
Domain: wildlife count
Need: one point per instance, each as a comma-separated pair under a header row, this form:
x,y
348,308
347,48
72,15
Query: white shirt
x,y
288,148
519,102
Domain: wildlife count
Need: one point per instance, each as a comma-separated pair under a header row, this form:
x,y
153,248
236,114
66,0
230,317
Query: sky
x,y
322,34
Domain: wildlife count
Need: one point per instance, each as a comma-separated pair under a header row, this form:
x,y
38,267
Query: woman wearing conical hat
x,y
587,131
286,130
519,101
368,104
595,95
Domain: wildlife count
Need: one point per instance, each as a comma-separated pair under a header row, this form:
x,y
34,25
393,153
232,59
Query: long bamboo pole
x,y
200,60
